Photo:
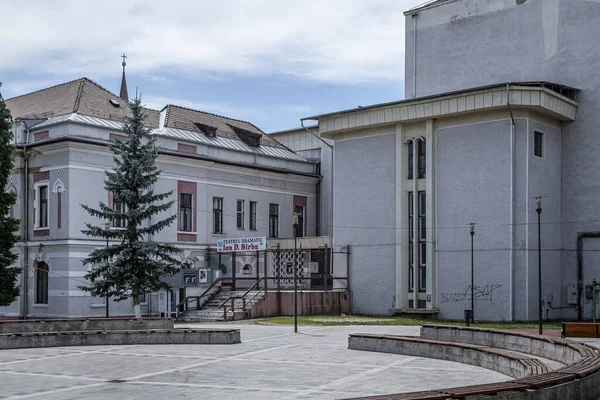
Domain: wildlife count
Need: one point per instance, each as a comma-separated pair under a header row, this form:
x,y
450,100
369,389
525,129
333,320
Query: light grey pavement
x,y
271,363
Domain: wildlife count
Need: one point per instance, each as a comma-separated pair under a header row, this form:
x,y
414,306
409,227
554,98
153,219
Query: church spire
x,y
123,93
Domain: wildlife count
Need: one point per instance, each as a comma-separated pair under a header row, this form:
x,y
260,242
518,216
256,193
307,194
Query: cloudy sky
x,y
270,62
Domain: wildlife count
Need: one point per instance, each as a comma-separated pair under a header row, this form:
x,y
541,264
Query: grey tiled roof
x,y
81,96
185,119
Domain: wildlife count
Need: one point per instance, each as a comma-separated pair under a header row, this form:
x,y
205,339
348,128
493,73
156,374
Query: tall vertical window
x,y
538,144
240,214
186,212
422,242
252,215
119,220
41,283
217,215
411,238
422,159
299,211
43,207
410,159
273,220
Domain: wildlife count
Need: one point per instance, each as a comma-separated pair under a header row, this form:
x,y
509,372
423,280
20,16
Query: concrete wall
x,y
365,190
469,43
473,180
104,324
309,303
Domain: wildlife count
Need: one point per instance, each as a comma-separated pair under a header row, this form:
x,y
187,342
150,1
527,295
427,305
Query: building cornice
x,y
538,98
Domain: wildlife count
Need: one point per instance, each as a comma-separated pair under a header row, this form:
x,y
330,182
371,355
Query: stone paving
x,y
271,363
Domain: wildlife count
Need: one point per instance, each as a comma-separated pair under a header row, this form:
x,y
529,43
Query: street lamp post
x,y
472,276
538,209
107,227
295,220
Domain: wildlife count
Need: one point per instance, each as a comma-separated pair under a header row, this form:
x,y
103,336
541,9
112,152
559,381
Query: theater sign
x,y
242,244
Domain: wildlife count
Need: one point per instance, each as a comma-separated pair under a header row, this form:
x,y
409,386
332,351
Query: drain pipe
x,y
414,79
332,167
24,303
512,202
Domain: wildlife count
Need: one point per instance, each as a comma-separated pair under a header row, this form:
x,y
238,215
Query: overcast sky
x,y
270,62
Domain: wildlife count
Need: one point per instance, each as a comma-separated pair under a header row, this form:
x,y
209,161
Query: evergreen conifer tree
x,y
9,288
135,265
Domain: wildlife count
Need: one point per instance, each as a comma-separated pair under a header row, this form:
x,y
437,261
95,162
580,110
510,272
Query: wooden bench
x,y
580,329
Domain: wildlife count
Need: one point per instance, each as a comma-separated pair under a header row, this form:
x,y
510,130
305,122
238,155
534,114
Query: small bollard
x,y
468,316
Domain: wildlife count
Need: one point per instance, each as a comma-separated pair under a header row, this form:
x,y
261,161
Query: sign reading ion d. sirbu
x,y
242,244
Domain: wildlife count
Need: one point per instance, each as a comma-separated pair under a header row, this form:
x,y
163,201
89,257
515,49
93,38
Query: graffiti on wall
x,y
485,293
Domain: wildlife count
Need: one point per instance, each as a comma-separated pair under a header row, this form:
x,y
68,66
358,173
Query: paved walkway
x,y
271,363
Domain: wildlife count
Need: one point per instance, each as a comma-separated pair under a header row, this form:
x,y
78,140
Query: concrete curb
x,y
117,338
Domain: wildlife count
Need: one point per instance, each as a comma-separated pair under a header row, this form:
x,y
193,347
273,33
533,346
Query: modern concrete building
x,y
228,178
481,134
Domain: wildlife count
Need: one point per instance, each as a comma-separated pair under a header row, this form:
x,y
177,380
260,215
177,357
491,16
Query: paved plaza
x,y
271,363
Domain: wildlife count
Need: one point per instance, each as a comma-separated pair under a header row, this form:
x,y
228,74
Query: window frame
x,y
240,206
273,220
422,200
411,238
300,215
542,147
421,159
38,186
42,282
410,158
123,220
186,214
252,209
217,215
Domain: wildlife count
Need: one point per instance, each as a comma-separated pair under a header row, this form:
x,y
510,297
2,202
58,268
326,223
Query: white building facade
x,y
228,180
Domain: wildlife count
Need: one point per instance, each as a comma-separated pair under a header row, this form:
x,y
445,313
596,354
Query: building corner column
x,y
430,217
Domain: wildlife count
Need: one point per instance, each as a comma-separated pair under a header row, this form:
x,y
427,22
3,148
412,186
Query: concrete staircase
x,y
210,311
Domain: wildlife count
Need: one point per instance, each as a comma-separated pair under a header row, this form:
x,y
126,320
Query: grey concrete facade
x,y
481,161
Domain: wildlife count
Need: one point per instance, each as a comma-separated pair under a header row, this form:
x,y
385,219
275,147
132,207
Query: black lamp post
x,y
107,226
538,209
295,221
472,276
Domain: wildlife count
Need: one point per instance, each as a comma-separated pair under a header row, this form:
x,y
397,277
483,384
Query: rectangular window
x,y
411,233
186,212
422,159
273,220
410,160
217,215
119,220
538,144
43,207
422,241
240,214
252,215
41,283
299,211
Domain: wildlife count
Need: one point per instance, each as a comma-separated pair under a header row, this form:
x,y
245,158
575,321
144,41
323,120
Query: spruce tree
x,y
9,289
135,265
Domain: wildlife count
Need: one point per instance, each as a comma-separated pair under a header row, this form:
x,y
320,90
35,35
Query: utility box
x,y
571,294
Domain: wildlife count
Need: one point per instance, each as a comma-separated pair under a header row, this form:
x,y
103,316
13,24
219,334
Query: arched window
x,y
247,269
41,283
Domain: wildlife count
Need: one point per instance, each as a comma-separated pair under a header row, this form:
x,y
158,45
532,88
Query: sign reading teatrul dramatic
x,y
242,244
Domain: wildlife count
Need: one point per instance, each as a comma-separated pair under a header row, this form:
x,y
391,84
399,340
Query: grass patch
x,y
337,320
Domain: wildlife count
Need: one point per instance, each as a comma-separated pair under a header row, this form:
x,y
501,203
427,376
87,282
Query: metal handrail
x,y
232,298
189,298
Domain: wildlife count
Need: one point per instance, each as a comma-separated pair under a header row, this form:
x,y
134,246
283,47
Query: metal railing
x,y
245,301
187,300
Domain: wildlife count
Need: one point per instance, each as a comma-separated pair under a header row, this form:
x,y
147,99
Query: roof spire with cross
x,y
123,94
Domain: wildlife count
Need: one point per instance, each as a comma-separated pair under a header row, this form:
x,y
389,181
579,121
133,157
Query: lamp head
x,y
538,204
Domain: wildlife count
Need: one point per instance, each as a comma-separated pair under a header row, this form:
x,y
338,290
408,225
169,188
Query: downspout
x,y
24,304
512,203
332,168
414,88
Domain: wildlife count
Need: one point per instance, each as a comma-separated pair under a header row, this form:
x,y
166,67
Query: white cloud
x,y
345,41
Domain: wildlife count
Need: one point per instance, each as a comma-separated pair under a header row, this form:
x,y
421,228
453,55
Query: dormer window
x,y
114,103
209,131
250,138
